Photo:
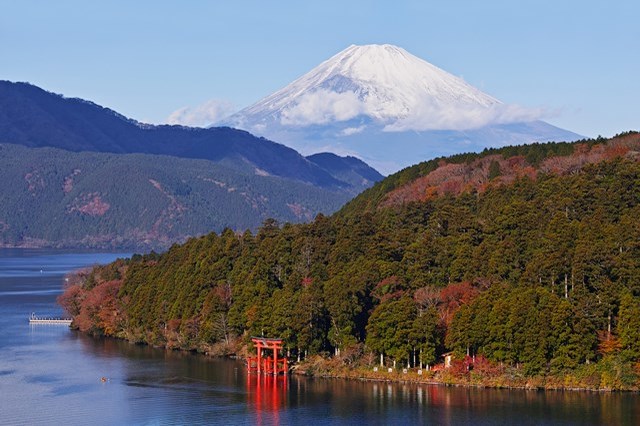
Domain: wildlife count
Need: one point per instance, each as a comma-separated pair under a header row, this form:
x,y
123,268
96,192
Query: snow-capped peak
x,y
384,105
383,82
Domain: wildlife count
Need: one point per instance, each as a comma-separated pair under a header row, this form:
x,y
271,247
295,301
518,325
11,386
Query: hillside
x,y
477,172
55,198
75,174
531,267
348,169
35,118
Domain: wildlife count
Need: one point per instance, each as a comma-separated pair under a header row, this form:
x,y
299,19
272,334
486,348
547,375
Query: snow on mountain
x,y
386,95
383,82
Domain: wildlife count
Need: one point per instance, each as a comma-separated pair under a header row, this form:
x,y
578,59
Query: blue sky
x,y
146,59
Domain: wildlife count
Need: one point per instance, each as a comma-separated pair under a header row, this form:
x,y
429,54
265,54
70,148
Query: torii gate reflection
x,y
267,395
267,379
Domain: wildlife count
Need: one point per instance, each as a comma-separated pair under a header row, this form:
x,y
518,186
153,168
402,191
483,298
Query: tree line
x,y
542,274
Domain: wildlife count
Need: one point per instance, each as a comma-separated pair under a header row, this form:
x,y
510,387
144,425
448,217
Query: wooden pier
x,y
33,319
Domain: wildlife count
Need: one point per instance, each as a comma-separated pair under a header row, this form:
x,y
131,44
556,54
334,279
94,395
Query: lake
x,y
50,374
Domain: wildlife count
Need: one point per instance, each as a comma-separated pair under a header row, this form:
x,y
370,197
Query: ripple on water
x,y
53,376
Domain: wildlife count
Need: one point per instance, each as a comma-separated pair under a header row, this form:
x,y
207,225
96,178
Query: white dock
x,y
33,319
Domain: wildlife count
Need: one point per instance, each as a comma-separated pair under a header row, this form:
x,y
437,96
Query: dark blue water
x,y
52,375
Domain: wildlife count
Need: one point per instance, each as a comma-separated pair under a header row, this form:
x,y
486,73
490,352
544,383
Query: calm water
x,y
51,375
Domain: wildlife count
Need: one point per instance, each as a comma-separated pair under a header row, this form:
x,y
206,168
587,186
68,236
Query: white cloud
x,y
352,130
259,128
323,106
202,115
427,116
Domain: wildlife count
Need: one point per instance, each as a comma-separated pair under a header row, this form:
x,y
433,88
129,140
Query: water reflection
x,y
267,397
53,377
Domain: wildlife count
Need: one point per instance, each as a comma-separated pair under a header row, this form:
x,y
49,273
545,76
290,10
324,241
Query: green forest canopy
x,y
541,272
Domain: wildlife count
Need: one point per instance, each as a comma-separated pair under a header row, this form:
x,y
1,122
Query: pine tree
x,y
629,326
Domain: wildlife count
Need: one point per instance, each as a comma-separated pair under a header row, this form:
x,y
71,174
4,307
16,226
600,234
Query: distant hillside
x,y
477,172
54,198
355,172
33,117
75,174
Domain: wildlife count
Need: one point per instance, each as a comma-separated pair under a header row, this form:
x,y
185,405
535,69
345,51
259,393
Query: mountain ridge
x,y
33,117
392,109
76,174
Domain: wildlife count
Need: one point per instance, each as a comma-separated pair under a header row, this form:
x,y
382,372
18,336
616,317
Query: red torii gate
x,y
270,364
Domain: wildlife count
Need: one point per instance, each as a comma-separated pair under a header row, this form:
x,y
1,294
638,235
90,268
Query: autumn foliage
x,y
494,170
93,302
516,260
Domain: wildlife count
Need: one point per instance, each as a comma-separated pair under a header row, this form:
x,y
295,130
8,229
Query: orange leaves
x,y
453,297
608,343
476,175
94,310
446,300
107,312
430,193
71,299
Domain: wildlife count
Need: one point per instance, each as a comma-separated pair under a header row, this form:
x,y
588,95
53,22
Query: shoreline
x,y
466,385
565,382
323,368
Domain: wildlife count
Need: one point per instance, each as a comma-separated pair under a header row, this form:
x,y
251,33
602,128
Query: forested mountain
x,y
75,174
57,198
348,169
528,256
33,117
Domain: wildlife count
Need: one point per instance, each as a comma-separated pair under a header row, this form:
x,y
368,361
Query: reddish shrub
x,y
453,296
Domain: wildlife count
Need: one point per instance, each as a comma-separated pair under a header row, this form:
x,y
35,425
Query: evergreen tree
x,y
629,326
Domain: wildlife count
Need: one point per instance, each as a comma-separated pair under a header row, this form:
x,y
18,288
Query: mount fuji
x,y
390,108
